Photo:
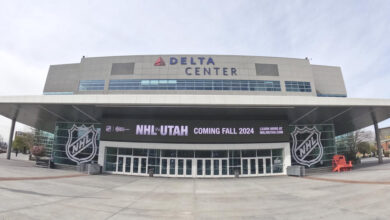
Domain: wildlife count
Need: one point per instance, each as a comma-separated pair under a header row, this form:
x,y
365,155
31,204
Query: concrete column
x,y
378,143
11,137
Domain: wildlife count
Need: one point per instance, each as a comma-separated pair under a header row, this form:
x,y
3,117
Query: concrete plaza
x,y
61,194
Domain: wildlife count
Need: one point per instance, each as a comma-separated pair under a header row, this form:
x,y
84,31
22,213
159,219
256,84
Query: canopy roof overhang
x,y
347,114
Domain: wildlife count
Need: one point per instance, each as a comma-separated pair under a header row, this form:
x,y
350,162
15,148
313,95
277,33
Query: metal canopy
x,y
347,114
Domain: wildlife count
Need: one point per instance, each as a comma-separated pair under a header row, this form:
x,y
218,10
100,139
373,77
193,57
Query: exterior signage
x,y
199,65
195,131
307,148
81,146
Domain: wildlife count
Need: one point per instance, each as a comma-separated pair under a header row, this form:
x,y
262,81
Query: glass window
x,y
202,153
277,152
189,84
111,150
125,151
140,152
277,164
234,153
88,85
168,153
220,153
263,153
185,153
154,153
297,86
248,153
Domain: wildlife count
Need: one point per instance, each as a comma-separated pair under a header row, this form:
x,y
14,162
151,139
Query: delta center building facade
x,y
194,115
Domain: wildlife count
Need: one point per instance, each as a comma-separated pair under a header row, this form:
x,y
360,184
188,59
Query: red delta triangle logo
x,y
159,62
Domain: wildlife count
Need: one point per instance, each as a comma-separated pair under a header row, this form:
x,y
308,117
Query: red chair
x,y
340,164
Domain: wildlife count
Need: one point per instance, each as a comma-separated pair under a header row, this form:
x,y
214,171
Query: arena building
x,y
194,115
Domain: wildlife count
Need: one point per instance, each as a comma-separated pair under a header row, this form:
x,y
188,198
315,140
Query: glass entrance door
x,y
127,164
184,167
180,167
172,167
250,166
124,165
119,164
220,167
216,167
205,167
139,165
199,167
188,167
264,165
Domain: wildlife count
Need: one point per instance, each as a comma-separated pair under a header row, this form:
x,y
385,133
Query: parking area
x,y
71,196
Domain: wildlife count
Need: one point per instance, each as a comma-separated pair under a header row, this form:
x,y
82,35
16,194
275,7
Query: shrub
x,y
350,155
38,151
386,153
364,148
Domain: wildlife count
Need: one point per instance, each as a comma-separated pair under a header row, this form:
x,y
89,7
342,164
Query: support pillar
x,y
11,137
378,143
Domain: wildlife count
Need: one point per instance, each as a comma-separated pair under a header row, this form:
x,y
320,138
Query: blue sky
x,y
351,34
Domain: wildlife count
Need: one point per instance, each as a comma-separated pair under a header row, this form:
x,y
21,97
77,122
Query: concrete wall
x,y
329,81
65,78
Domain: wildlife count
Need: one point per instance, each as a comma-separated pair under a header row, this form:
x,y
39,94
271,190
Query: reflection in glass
x,y
224,167
143,165
163,166
135,165
244,166
120,164
208,167
216,167
180,168
172,167
268,165
188,167
253,166
260,164
277,165
128,164
199,167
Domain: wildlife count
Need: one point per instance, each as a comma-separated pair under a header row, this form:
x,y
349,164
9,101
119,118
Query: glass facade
x,y
297,86
327,140
88,85
194,84
45,139
209,162
61,136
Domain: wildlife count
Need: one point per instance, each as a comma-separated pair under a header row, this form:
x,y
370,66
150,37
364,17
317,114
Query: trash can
x,y
151,172
236,173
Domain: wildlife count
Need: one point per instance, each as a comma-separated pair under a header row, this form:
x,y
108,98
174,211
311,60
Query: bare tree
x,y
361,136
351,141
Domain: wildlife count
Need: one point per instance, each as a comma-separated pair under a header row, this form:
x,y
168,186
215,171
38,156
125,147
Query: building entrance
x,y
132,165
263,162
256,166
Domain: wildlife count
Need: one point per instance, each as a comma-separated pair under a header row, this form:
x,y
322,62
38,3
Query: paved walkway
x,y
127,197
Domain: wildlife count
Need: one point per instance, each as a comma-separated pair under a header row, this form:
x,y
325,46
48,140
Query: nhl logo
x,y
309,151
84,148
